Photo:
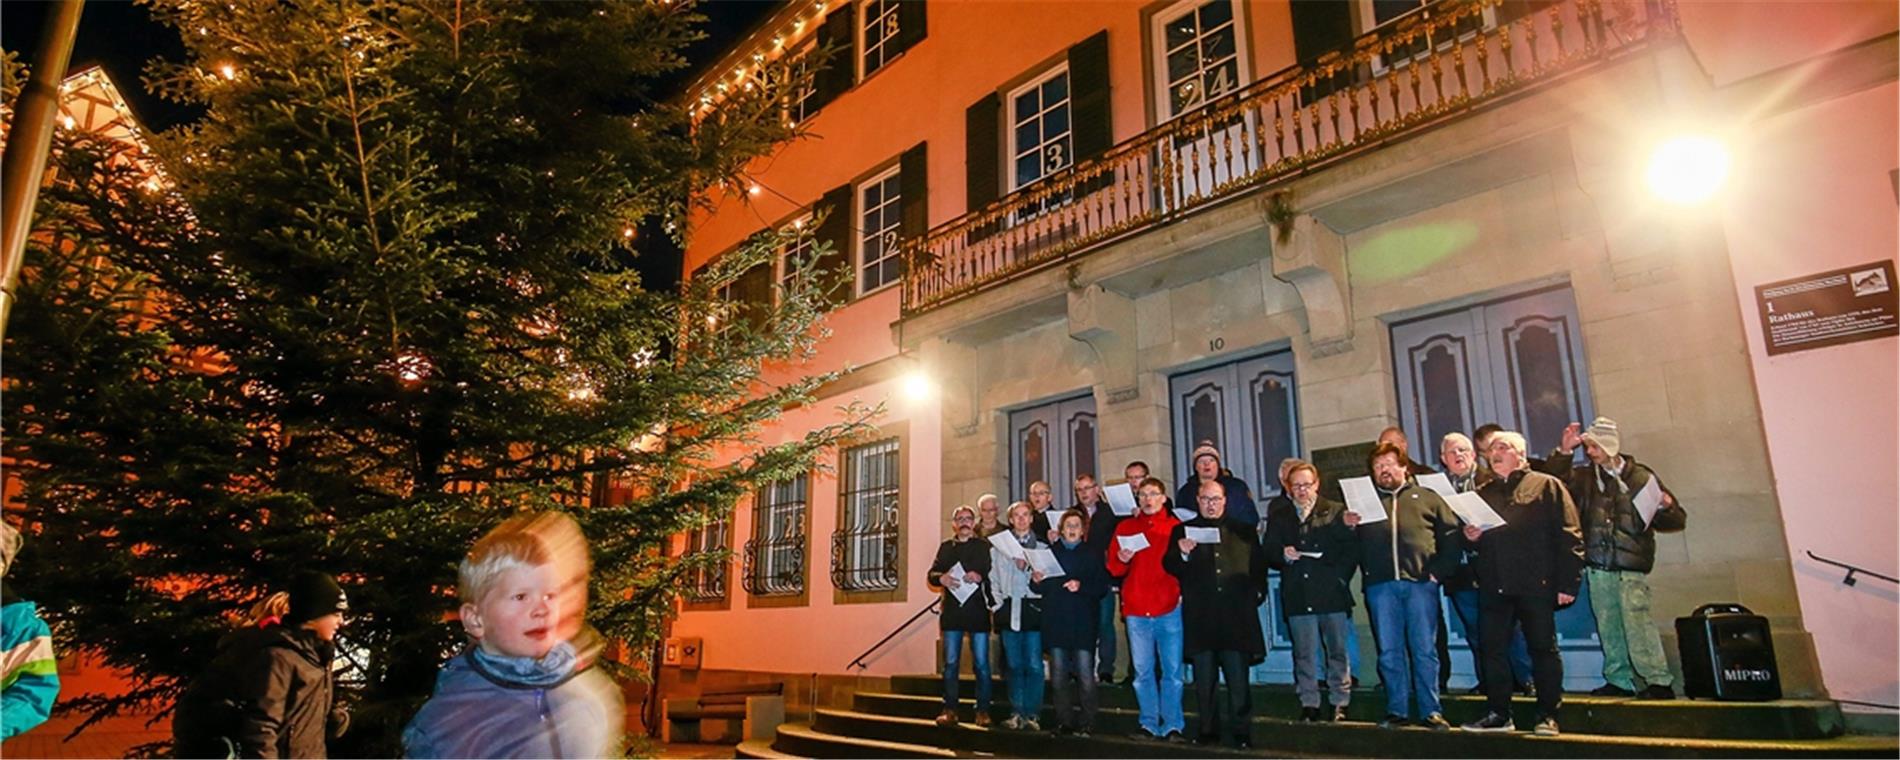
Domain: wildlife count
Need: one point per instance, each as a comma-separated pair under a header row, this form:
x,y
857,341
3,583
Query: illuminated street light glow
x,y
917,386
1688,169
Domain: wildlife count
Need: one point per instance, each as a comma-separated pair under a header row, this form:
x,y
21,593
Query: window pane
x,y
1028,136
1546,397
1027,104
1216,13
1181,31
1057,88
1028,168
1218,45
1055,123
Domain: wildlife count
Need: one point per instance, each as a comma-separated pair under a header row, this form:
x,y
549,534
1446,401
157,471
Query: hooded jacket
x,y
1614,536
32,678
268,693
491,705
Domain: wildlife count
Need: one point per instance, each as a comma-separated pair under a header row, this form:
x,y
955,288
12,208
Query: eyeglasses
x,y
1303,486
963,519
1211,499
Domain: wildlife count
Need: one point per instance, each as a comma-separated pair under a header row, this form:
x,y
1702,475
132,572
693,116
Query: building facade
x,y
1098,233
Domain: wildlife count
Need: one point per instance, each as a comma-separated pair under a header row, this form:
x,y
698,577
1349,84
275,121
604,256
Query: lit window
x,y
775,557
1200,58
881,199
1041,141
864,549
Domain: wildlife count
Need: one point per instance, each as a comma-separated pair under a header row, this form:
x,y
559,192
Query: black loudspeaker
x,y
1727,654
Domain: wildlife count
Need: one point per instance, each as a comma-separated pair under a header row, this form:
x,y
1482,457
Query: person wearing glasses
x,y
966,618
1309,542
1222,582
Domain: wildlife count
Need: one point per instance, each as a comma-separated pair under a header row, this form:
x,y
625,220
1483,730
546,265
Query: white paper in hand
x,y
1648,500
1134,543
1185,514
1312,555
1438,483
1204,535
1044,561
964,588
1121,499
1362,499
1472,509
1006,542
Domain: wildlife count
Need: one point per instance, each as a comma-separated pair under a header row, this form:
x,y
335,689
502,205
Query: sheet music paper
x,y
964,588
1121,499
1006,542
1185,514
1439,484
1044,561
1312,555
1362,499
1472,509
1134,543
1649,500
1204,535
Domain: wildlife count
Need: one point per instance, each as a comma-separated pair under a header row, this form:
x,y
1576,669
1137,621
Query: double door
x,y
1519,363
1053,443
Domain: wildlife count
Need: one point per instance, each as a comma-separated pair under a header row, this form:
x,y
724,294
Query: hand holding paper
x,y
1203,535
961,590
1134,543
1438,483
1648,500
1044,561
1362,499
1472,509
1006,542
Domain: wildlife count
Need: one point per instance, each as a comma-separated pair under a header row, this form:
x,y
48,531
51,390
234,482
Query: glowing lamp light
x,y
753,190
227,71
1687,170
917,386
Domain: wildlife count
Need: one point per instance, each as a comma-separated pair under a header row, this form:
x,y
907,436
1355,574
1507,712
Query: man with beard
x,y
1403,558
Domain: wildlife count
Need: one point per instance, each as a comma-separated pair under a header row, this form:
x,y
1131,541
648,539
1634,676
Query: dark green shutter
x,y
910,23
982,154
835,230
837,37
913,181
1320,27
1088,92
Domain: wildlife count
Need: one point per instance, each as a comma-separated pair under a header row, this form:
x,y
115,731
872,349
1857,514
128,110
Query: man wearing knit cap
x,y
1619,550
1207,468
269,692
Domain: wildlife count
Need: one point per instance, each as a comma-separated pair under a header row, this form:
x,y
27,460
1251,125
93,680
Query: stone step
x,y
803,740
1790,719
1281,738
759,748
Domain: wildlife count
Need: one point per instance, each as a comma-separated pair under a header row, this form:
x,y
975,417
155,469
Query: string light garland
x,y
745,79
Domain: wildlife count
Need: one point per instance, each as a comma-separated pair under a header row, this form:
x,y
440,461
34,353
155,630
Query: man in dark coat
x,y
1466,474
1207,469
969,618
1619,550
269,692
1316,554
1527,568
1221,584
1101,532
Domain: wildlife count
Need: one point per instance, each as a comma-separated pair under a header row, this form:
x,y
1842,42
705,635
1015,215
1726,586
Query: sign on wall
x,y
1829,309
1341,462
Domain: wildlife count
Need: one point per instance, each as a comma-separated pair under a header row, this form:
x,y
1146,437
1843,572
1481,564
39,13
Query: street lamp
x,y
1688,169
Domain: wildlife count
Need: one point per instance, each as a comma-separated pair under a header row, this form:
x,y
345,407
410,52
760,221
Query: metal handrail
x,y
858,662
1851,570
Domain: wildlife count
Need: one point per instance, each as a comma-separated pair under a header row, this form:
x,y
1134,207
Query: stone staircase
x,y
899,723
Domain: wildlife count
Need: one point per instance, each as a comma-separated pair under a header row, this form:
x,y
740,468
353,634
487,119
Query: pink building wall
x,y
1814,194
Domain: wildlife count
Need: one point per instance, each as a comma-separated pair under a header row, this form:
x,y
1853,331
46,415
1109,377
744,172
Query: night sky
x,y
122,37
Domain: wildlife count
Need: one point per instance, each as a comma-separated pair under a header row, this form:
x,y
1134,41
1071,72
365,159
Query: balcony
x,y
1436,64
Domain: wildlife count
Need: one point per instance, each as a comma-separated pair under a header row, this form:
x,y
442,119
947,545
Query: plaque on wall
x,y
1828,309
1338,463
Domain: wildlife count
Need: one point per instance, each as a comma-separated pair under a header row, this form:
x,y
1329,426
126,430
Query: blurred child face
x,y
521,613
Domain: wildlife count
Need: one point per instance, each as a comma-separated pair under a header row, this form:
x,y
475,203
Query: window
x,y
750,295
707,582
796,253
802,101
881,200
1377,13
864,550
775,557
881,26
1198,55
1040,140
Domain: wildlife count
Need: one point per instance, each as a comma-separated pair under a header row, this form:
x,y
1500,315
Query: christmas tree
x,y
378,298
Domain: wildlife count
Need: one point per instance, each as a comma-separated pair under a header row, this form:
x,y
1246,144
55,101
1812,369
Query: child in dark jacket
x,y
522,687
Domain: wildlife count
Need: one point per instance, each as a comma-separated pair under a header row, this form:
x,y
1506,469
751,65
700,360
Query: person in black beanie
x,y
269,692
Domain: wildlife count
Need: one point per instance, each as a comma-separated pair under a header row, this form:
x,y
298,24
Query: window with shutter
x,y
880,201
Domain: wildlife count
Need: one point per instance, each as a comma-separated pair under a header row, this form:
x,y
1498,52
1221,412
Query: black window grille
x,y
775,556
706,582
864,548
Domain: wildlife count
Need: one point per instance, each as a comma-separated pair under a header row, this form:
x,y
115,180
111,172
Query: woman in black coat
x,y
1071,604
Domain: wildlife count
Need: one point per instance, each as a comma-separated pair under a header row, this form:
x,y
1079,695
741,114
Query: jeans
x,y
1315,637
1078,664
1105,649
1632,647
979,662
1024,652
1465,603
1232,710
1538,617
1405,615
1153,640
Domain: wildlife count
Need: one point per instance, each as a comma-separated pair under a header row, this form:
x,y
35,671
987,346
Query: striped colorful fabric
x,y
31,681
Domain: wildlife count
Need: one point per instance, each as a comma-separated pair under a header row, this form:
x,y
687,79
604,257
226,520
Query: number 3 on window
x,y
1053,156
